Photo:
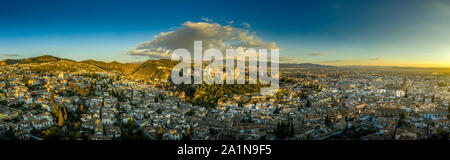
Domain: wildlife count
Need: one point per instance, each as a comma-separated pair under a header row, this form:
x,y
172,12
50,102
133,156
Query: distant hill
x,y
42,59
52,63
306,65
66,66
9,61
123,68
39,59
161,69
149,69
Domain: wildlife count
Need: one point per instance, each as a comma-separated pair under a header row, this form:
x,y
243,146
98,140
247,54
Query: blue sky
x,y
378,32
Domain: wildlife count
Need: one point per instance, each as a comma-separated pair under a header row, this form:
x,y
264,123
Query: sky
x,y
412,33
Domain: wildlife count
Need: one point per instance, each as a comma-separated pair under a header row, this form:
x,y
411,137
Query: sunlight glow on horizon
x,y
373,33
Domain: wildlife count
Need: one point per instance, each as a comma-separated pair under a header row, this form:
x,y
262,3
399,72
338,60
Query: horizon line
x,y
347,65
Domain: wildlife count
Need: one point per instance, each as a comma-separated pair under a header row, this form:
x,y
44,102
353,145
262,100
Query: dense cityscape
x,y
49,98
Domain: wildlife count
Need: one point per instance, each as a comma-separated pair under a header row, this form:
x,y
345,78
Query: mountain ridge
x,y
149,69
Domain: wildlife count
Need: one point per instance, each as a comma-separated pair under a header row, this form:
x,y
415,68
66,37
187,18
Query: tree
x,y
131,123
441,135
115,92
34,105
187,136
284,130
190,113
10,134
304,95
81,107
159,133
53,133
276,111
61,120
183,94
65,114
52,97
262,138
401,121
159,111
79,135
188,130
448,115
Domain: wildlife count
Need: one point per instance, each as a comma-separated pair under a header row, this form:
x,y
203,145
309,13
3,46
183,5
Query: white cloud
x,y
150,53
207,19
213,35
245,24
230,22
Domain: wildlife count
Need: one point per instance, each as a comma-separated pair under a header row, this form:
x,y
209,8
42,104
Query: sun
x,y
446,58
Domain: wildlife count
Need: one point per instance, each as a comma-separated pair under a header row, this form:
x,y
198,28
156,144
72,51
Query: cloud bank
x,y
213,35
11,55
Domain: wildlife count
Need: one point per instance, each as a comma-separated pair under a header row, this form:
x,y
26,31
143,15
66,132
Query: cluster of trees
x,y
159,111
63,116
312,86
442,84
442,135
277,110
354,133
300,94
159,97
53,133
81,91
287,80
92,85
280,95
10,135
247,119
25,80
207,95
130,131
113,92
